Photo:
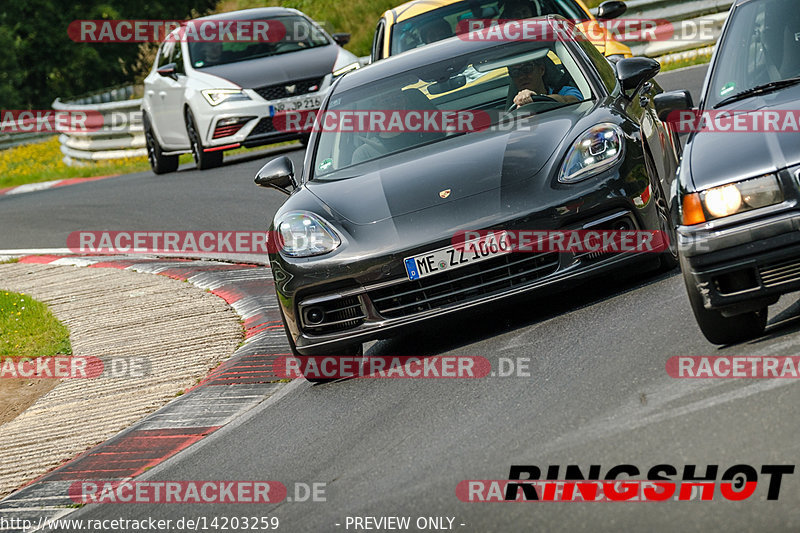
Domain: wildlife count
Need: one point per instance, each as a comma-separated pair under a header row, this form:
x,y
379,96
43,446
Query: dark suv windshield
x,y
761,45
301,34
444,22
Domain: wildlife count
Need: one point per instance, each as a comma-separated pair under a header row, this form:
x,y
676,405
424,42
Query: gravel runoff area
x,y
179,331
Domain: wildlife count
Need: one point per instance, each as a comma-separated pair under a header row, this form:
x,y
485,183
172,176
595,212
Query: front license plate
x,y
453,257
298,104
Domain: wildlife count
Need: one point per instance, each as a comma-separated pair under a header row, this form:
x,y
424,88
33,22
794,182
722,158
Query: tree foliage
x,y
39,61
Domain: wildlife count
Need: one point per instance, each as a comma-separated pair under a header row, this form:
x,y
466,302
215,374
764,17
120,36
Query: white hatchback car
x,y
206,97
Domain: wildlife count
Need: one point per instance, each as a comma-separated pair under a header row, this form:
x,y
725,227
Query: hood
x,y
281,68
720,157
466,166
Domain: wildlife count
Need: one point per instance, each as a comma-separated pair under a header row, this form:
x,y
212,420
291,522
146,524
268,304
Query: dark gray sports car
x,y
366,242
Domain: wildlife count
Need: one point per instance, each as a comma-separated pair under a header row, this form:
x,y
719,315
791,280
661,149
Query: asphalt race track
x,y
596,391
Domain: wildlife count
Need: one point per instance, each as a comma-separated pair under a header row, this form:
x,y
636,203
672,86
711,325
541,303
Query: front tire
x,y
716,327
159,163
204,160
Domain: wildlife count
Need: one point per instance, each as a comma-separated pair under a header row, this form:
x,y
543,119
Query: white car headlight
x,y
598,149
217,96
304,234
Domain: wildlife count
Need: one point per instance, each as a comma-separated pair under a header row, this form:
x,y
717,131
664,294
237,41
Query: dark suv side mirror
x,y
170,70
611,9
634,72
341,38
667,103
278,174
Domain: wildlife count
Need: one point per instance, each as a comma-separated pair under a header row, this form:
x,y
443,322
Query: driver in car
x,y
529,80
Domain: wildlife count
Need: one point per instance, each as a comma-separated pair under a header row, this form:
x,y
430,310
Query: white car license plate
x,y
453,257
298,104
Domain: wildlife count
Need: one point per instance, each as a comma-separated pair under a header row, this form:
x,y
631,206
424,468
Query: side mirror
x,y
611,9
634,72
341,38
168,71
278,174
667,103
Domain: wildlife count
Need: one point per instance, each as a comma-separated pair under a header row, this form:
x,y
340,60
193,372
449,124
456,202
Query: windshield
x,y
761,45
301,34
411,109
442,23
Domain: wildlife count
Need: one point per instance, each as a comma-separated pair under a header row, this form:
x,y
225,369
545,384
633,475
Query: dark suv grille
x,y
274,92
463,284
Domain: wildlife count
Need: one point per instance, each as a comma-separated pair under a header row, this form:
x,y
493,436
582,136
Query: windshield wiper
x,y
759,89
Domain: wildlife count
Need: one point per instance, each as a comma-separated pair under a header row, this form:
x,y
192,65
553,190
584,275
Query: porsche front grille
x,y
464,284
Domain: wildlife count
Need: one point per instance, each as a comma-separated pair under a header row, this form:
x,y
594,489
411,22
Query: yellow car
x,y
421,22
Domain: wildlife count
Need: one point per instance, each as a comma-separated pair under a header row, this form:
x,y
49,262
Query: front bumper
x,y
746,266
368,308
256,126
746,261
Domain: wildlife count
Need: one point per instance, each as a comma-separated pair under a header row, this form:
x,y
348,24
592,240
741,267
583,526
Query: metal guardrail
x,y
9,140
708,15
121,136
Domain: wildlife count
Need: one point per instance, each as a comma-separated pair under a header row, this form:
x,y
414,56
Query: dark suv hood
x,y
466,166
720,157
281,68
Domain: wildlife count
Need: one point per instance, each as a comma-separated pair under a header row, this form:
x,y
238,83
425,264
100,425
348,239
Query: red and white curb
x,y
44,185
241,383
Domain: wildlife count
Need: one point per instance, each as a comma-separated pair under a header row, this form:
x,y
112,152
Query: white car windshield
x,y
300,34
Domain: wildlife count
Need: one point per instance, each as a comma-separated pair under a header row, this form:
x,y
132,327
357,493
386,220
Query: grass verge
x,y
41,161
29,329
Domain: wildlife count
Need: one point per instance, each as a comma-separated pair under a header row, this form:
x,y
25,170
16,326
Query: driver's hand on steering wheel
x,y
525,96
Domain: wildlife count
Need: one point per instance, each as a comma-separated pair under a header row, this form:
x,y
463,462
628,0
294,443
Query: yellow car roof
x,y
418,7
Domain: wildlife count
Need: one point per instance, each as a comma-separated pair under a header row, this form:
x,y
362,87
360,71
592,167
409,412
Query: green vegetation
x,y
41,161
683,63
356,17
29,329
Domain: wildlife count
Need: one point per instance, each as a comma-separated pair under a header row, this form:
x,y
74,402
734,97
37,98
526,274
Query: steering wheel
x,y
534,98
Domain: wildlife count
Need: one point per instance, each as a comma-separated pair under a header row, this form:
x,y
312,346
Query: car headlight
x,y
598,149
217,96
304,234
731,199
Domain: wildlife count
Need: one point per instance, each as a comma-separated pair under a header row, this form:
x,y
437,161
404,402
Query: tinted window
x,y
482,84
606,71
377,43
761,45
